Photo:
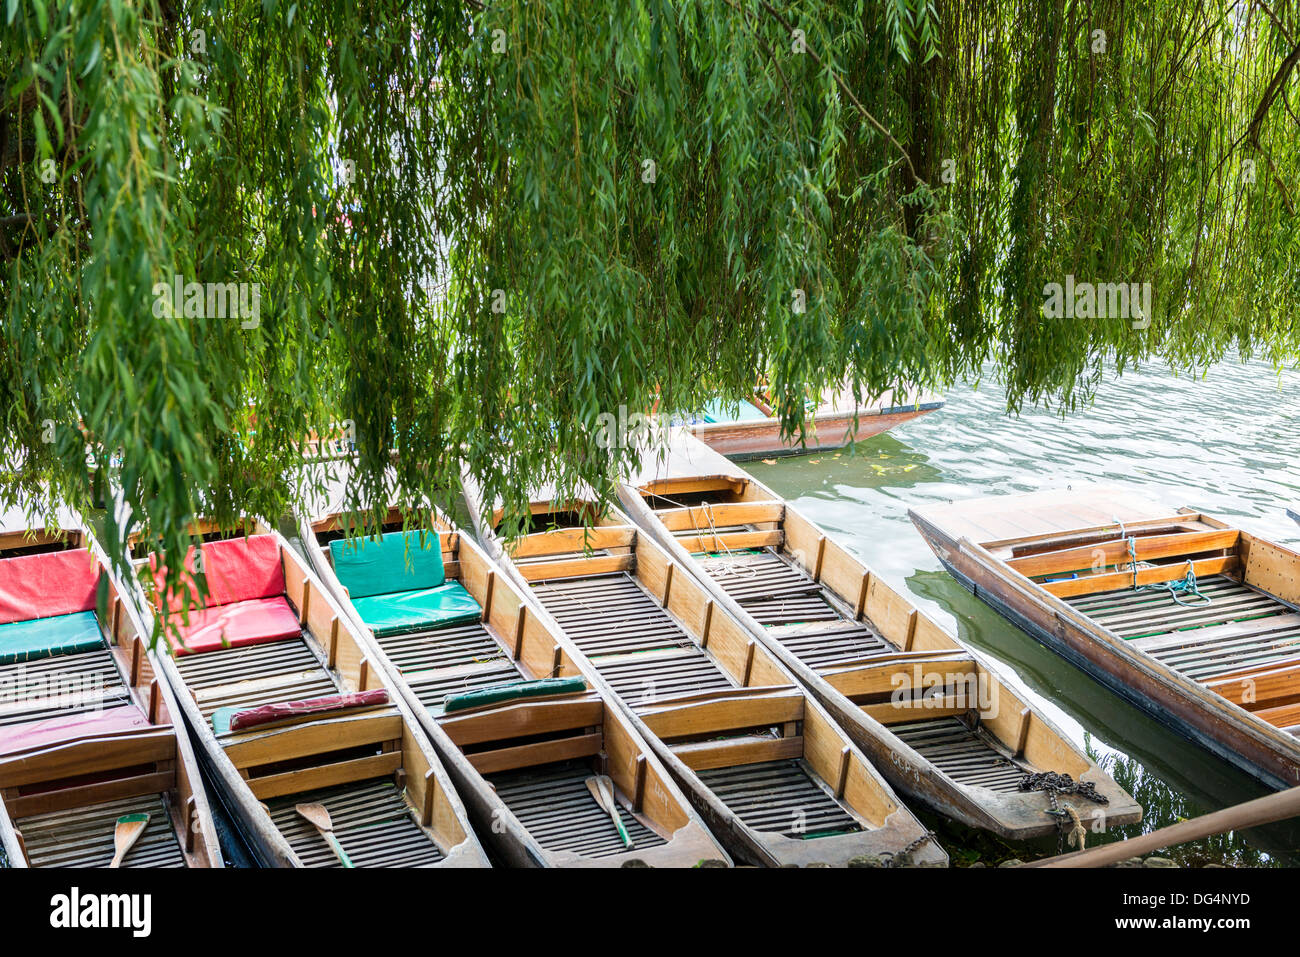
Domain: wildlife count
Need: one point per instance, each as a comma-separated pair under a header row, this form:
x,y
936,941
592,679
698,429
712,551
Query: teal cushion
x,y
512,691
447,604
720,410
46,637
368,567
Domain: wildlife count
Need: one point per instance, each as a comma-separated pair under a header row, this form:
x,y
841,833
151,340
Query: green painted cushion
x,y
512,691
368,567
46,637
448,604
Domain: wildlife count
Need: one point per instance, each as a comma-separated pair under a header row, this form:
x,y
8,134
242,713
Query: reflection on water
x,y
1224,444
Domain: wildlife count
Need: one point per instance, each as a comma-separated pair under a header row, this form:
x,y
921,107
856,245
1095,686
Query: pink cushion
x,y
236,569
243,623
282,711
47,584
38,734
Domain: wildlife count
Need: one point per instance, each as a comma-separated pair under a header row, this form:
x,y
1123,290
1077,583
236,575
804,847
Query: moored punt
x,y
929,711
749,429
1105,578
292,710
513,720
88,734
773,775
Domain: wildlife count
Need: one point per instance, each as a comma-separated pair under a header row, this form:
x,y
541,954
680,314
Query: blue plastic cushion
x,y
368,567
46,637
447,604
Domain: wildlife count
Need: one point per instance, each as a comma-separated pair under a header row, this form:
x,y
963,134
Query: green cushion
x,y
368,567
511,691
46,637
426,608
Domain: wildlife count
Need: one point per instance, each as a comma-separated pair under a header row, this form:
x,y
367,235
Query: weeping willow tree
x,y
465,232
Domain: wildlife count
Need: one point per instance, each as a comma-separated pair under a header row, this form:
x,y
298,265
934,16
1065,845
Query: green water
x,y
1225,444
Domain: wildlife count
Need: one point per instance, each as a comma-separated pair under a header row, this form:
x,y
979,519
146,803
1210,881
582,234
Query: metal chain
x,y
906,852
1054,783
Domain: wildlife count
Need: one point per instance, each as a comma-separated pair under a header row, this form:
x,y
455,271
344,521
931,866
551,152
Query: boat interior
x,y
854,631
505,693
715,697
1237,632
279,679
86,730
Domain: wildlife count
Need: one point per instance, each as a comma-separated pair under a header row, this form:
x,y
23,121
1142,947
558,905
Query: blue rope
x,y
1185,585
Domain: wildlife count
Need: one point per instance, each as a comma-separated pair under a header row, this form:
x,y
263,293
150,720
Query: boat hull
x,y
758,439
1205,722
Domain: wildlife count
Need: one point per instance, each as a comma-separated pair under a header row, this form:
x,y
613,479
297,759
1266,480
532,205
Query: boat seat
x,y
68,727
396,562
426,608
37,638
47,585
255,621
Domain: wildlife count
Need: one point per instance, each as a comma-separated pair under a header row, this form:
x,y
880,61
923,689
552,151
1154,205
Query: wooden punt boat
x,y
480,672
88,734
773,775
290,708
929,711
750,429
1062,565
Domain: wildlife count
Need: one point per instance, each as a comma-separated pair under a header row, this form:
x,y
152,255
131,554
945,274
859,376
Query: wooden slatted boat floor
x,y
259,674
771,589
449,660
61,685
779,796
371,821
83,837
629,638
1241,627
962,754
556,808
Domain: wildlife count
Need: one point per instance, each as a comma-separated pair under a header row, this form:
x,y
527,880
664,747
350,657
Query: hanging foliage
x,y
467,232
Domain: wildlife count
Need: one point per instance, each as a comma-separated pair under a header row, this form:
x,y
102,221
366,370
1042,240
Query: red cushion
x,y
237,569
233,626
31,735
47,584
268,713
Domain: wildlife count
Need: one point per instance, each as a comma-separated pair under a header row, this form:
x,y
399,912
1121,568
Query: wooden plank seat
x,y
770,588
62,685
963,754
83,836
780,796
371,821
610,614
553,804
823,647
285,670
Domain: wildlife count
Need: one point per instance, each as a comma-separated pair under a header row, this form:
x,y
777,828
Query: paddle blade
x,y
602,789
317,815
126,832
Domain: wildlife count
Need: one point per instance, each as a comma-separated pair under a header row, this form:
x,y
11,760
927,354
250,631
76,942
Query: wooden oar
x,y
1265,810
602,789
319,817
125,834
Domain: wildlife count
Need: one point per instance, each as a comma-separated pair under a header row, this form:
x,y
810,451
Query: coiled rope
x,y
1178,586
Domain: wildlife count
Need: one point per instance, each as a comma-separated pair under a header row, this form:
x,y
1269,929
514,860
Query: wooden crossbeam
x,y
1116,551
1114,581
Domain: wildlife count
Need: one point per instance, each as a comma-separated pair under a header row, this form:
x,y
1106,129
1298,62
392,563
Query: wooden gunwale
x,y
560,826
1186,706
756,676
